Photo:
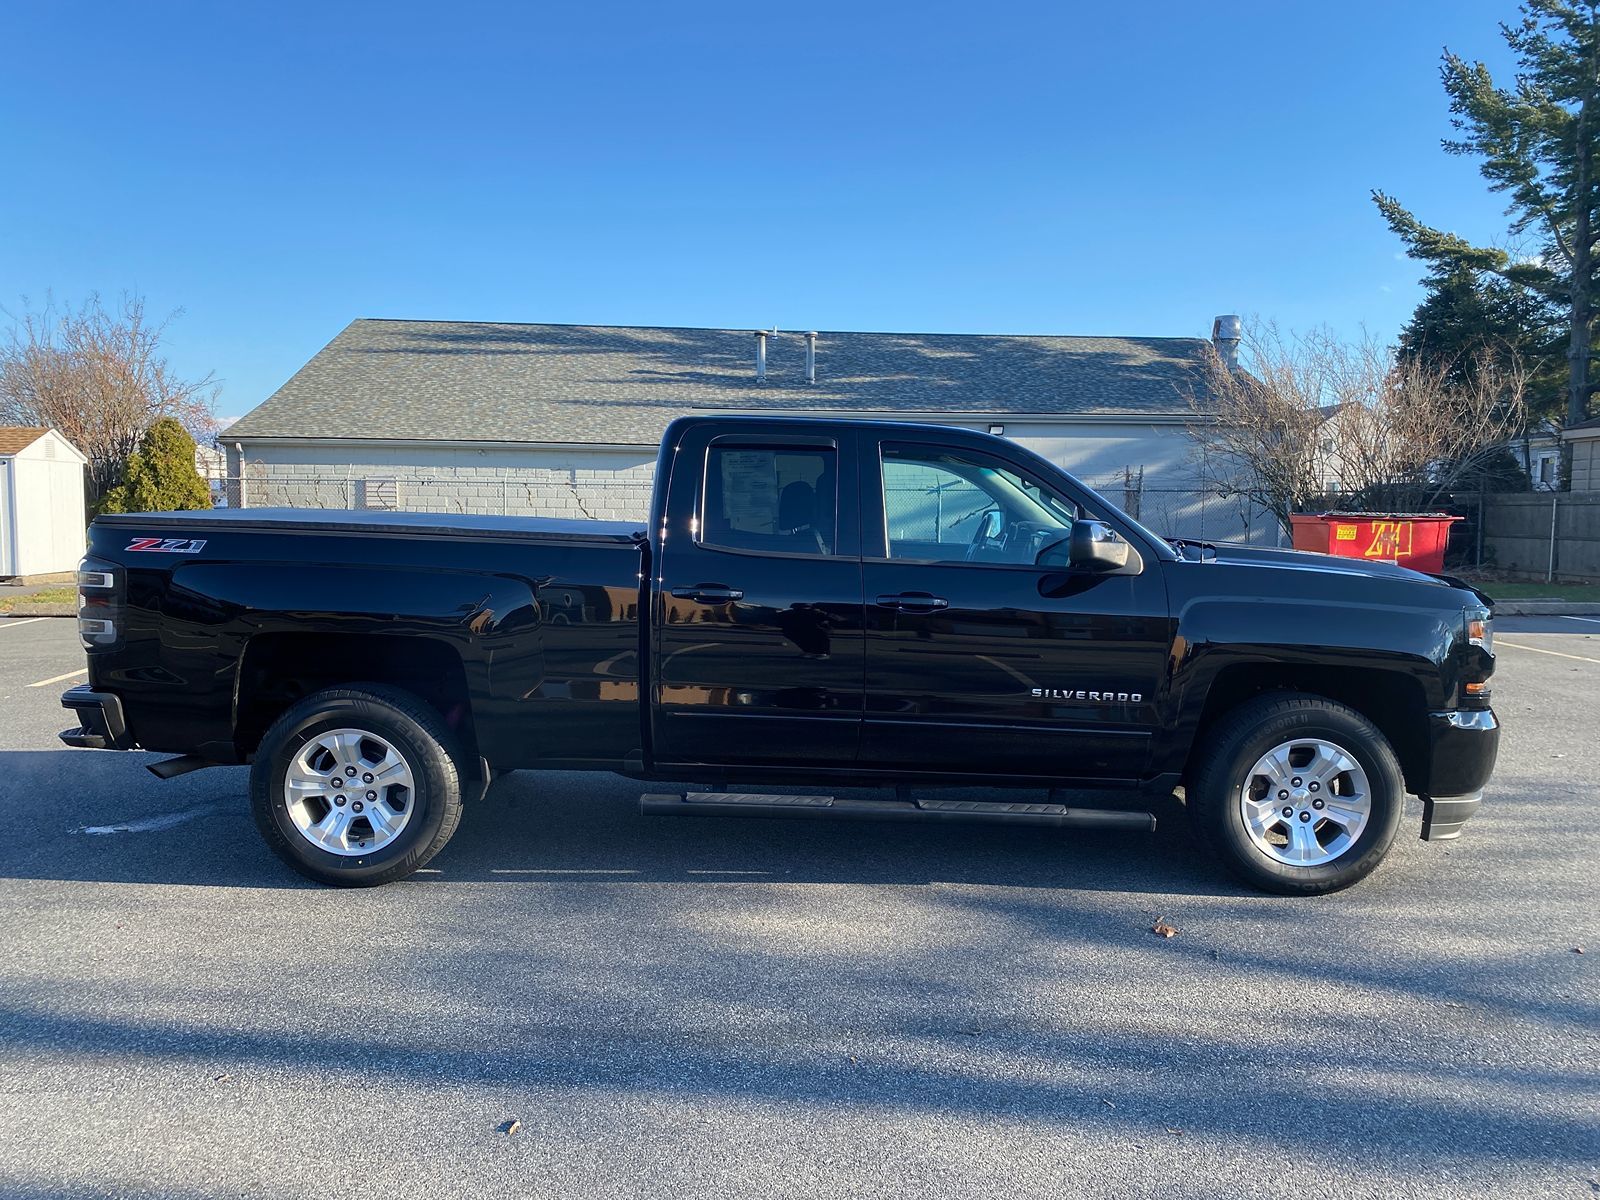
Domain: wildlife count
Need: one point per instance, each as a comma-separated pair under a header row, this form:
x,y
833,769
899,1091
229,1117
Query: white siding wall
x,y
48,517
1172,499
8,527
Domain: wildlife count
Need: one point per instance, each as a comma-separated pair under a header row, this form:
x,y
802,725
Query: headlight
x,y
1480,629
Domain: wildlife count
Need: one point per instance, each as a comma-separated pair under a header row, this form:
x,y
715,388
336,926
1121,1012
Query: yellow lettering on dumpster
x,y
1390,539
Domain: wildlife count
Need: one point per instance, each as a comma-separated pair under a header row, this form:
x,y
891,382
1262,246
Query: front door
x,y
757,622
981,661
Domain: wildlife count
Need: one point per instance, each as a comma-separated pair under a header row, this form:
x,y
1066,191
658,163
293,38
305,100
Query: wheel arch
x,y
277,670
1392,700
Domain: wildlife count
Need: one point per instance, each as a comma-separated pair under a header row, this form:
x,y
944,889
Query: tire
x,y
322,747
1236,790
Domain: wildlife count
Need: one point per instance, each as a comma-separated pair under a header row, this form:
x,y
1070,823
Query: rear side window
x,y
776,499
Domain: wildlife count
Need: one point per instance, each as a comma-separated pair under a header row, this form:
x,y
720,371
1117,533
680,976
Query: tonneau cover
x,y
426,524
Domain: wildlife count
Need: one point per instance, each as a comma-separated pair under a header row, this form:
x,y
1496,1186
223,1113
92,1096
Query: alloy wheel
x,y
349,791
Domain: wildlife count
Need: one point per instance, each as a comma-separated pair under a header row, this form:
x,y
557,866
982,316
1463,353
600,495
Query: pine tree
x,y
160,476
1468,318
1540,144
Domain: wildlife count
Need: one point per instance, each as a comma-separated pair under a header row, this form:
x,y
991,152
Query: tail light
x,y
99,607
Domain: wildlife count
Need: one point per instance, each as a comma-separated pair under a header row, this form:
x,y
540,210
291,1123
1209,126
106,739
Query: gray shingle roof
x,y
478,381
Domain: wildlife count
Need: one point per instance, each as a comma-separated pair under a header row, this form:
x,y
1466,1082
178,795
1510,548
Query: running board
x,y
750,804
171,768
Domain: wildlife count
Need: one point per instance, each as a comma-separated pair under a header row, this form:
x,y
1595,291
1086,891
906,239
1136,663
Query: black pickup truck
x,y
813,604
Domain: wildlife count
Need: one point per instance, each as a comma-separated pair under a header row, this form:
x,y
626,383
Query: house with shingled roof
x,y
564,420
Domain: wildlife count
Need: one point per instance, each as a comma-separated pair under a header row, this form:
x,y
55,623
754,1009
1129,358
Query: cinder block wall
x,y
599,495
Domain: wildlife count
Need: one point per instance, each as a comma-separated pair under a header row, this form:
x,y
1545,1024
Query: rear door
x,y
980,661
757,620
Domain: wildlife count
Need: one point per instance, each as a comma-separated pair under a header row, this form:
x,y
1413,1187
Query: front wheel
x,y
1298,794
357,786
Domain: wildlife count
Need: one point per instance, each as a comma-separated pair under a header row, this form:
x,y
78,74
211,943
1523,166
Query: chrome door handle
x,y
709,593
913,602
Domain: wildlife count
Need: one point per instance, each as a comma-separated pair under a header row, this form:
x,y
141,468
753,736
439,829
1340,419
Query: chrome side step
x,y
753,804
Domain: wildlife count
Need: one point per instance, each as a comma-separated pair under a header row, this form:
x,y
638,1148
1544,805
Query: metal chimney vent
x,y
761,355
811,357
1226,333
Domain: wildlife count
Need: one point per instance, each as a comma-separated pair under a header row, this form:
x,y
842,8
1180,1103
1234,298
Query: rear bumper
x,y
100,722
1462,748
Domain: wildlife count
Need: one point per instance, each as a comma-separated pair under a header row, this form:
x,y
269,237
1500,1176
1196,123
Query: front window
x,y
948,506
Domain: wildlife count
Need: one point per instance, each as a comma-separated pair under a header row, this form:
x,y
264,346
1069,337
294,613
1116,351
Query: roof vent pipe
x,y
811,357
1226,333
761,356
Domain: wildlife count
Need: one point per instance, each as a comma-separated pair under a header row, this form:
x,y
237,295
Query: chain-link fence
x,y
610,495
574,492
1200,513
1540,535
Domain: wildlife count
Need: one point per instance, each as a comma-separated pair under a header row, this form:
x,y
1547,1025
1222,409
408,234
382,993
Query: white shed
x,y
41,502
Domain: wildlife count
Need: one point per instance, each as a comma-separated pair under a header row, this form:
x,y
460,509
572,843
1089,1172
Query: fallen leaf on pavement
x,y
1162,929
1170,1129
508,1127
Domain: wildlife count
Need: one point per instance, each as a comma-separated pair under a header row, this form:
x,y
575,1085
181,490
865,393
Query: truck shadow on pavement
x,y
947,993
110,821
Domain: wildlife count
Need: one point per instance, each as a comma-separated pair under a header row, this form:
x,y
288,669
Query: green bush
x,y
160,475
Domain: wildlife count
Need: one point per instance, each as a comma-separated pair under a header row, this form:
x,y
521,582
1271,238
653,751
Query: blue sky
x,y
277,170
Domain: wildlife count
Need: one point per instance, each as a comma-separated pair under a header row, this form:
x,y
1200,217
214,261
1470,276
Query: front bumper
x,y
1462,745
100,722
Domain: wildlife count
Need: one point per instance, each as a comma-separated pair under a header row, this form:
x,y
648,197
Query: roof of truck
x,y
474,381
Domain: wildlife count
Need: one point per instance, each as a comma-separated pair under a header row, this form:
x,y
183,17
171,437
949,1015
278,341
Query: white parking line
x,y
1540,650
21,621
154,824
1591,620
59,678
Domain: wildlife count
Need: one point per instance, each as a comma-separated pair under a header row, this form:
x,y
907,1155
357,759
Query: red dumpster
x,y
1415,540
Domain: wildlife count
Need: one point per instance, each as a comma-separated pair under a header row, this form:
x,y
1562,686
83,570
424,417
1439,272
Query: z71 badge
x,y
168,545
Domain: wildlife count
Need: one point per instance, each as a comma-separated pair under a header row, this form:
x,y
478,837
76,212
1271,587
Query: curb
x,y
39,610
1546,608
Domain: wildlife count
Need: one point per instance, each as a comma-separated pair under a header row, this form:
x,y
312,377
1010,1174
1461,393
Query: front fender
x,y
1279,636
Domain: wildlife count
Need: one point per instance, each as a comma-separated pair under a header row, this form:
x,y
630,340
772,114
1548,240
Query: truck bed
x,y
419,524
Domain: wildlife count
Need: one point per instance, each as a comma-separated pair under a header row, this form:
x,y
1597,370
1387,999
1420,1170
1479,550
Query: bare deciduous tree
x,y
1310,414
98,376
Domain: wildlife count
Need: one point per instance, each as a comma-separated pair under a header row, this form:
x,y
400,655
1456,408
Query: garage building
x,y
565,419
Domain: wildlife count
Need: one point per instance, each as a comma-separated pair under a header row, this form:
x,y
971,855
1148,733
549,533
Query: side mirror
x,y
1095,546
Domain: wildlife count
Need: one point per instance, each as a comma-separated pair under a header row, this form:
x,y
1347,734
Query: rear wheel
x,y
1298,794
357,786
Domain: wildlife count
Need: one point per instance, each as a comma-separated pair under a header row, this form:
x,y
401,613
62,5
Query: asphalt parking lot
x,y
760,1008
